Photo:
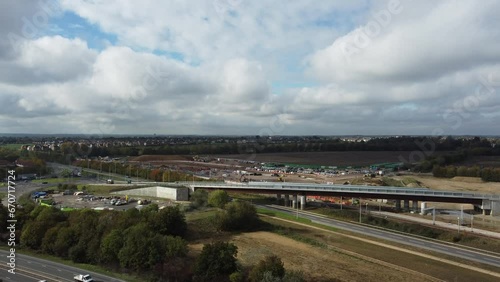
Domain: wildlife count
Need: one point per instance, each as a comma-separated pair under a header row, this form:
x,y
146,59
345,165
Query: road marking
x,y
492,260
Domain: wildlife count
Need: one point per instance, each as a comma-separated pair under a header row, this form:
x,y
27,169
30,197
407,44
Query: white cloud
x,y
419,72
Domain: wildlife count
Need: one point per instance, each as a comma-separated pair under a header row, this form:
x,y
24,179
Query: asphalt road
x,y
472,255
29,269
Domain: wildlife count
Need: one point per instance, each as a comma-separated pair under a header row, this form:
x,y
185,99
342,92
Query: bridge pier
x,y
302,202
287,200
414,205
294,202
398,205
278,198
406,205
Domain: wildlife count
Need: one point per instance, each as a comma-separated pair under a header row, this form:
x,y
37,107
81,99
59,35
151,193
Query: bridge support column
x,y
287,200
278,198
302,202
414,205
406,205
294,201
398,205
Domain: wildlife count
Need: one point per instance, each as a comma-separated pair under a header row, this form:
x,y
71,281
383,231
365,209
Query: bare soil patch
x,y
150,158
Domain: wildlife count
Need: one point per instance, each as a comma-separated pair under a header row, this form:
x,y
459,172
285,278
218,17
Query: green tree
x,y
110,246
237,216
218,199
199,198
49,240
169,221
142,249
216,262
65,240
271,264
33,234
175,247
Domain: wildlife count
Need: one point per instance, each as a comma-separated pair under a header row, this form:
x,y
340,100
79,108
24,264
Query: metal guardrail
x,y
342,188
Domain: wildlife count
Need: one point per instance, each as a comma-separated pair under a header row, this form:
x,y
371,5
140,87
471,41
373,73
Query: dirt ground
x,y
349,158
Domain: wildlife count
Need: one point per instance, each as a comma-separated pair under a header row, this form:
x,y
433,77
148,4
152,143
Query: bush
x,y
217,260
237,216
270,264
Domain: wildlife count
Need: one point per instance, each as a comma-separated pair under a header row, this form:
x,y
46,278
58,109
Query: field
x,y
329,256
471,184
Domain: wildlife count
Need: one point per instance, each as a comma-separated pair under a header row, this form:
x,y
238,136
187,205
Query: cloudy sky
x,y
250,67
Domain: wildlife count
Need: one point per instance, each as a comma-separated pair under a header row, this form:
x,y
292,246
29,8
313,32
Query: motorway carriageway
x,y
29,269
476,255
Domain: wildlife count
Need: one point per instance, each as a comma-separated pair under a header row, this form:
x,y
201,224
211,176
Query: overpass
x,y
490,204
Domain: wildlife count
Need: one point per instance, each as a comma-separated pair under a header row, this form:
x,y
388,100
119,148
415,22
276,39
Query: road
x,y
29,269
480,256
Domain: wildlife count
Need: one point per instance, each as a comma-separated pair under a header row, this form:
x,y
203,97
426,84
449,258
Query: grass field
x,y
13,146
323,255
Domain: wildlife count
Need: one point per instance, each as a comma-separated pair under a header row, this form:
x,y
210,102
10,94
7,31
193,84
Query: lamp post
x,y
359,210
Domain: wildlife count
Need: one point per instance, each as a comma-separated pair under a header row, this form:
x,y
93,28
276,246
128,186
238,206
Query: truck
x,y
83,278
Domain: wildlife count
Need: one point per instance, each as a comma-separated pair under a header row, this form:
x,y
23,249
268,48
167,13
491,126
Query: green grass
x,y
13,146
106,189
49,180
283,215
200,215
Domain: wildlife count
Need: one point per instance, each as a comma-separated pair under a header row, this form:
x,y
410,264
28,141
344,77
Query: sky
x,y
240,67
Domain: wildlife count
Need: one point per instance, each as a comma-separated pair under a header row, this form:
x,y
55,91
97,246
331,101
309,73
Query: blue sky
x,y
242,67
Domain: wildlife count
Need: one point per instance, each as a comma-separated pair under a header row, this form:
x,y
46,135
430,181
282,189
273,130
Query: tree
x,y
33,234
65,239
169,221
111,245
270,264
218,199
199,198
142,249
49,240
237,216
175,247
217,260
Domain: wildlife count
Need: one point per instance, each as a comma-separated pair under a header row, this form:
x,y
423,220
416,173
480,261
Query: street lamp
x,y
359,210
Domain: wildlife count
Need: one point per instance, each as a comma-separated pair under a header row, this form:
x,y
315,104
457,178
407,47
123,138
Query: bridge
x,y
490,204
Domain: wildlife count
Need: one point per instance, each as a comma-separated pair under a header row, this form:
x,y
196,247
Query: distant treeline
x,y
486,174
263,145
